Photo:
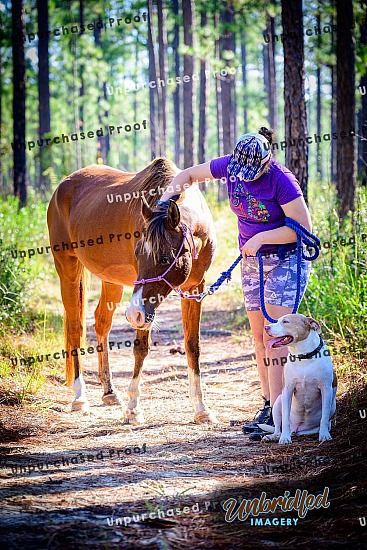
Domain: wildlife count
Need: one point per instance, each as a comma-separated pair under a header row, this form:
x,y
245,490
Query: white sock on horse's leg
x,y
80,402
79,388
133,413
202,412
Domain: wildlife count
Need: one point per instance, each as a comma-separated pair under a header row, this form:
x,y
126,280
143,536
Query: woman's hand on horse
x,y
164,205
252,246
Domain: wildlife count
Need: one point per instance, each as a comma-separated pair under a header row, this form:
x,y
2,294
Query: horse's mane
x,y
158,175
157,233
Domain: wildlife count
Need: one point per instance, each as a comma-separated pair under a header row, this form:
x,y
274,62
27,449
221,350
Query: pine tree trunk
x,y
318,108
152,77
222,192
234,95
19,157
318,124
244,80
44,114
333,109
266,76
362,153
106,138
81,71
333,124
76,91
163,71
103,147
188,89
346,158
294,92
1,118
270,65
228,89
177,93
203,105
135,105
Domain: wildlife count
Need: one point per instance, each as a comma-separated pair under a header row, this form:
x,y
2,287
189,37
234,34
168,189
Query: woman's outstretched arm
x,y
187,177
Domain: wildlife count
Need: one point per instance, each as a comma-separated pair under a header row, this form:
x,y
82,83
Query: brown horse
x,y
87,230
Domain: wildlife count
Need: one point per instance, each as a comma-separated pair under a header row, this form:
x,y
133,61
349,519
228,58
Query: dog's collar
x,y
312,353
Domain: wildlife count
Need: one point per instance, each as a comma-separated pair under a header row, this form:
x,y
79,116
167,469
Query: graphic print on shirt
x,y
255,208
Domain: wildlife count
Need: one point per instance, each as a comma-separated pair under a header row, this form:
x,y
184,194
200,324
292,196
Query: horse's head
x,y
165,252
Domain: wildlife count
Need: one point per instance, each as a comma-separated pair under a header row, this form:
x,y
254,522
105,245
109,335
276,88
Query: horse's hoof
x,y
111,399
205,417
82,406
133,417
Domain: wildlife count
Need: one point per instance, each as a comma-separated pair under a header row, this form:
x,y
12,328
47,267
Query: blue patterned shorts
x,y
280,280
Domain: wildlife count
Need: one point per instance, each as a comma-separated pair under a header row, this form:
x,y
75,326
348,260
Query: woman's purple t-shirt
x,y
257,204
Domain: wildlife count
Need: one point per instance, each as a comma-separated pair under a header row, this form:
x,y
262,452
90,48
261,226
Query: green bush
x,y
337,289
21,277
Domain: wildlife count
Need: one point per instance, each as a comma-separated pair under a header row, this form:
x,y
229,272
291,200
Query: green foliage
x,y
24,297
337,289
21,277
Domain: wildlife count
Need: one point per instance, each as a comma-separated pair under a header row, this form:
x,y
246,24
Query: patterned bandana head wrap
x,y
249,156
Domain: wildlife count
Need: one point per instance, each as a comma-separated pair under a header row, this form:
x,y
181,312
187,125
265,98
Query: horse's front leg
x,y
110,297
133,414
191,315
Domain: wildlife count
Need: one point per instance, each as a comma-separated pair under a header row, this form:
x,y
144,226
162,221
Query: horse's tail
x,y
83,283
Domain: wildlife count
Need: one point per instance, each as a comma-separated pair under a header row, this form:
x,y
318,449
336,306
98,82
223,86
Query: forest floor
x,y
98,503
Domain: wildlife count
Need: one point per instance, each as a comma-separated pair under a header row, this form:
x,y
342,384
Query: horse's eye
x,y
164,261
285,321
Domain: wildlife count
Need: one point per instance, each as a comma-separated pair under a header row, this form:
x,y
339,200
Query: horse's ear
x,y
145,209
173,215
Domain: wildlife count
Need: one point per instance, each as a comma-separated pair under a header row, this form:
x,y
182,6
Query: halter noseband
x,y
185,229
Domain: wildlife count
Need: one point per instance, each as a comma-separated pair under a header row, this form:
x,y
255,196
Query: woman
x,y
261,193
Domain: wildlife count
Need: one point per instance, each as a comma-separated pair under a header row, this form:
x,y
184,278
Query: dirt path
x,y
179,456
122,471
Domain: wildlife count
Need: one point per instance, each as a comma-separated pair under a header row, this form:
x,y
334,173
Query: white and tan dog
x,y
307,401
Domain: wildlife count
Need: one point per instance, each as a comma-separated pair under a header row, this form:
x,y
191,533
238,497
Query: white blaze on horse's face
x,y
135,311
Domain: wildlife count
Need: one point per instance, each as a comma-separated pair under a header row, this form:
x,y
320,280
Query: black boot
x,y
262,417
258,434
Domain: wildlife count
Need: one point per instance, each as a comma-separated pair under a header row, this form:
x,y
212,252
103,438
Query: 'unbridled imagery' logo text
x,y
301,502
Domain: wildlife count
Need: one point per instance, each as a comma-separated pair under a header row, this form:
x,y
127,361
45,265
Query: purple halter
x,y
185,228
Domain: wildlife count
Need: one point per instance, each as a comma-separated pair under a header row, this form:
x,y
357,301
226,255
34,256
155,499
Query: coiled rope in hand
x,y
303,236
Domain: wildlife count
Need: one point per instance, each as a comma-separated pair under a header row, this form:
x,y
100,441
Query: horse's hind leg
x,y
133,414
191,314
111,295
73,282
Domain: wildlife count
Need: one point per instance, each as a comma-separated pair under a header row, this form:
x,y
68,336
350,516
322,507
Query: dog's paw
x,y
271,437
285,439
324,436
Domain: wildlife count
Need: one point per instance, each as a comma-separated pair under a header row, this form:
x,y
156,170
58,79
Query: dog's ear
x,y
309,322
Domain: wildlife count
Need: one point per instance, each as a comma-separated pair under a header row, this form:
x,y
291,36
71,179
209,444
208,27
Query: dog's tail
x,y
266,428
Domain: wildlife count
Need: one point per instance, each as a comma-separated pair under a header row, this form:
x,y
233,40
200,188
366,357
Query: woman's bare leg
x,y
275,371
256,319
270,376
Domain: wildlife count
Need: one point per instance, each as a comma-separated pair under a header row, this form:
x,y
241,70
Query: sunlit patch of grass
x,y
21,373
